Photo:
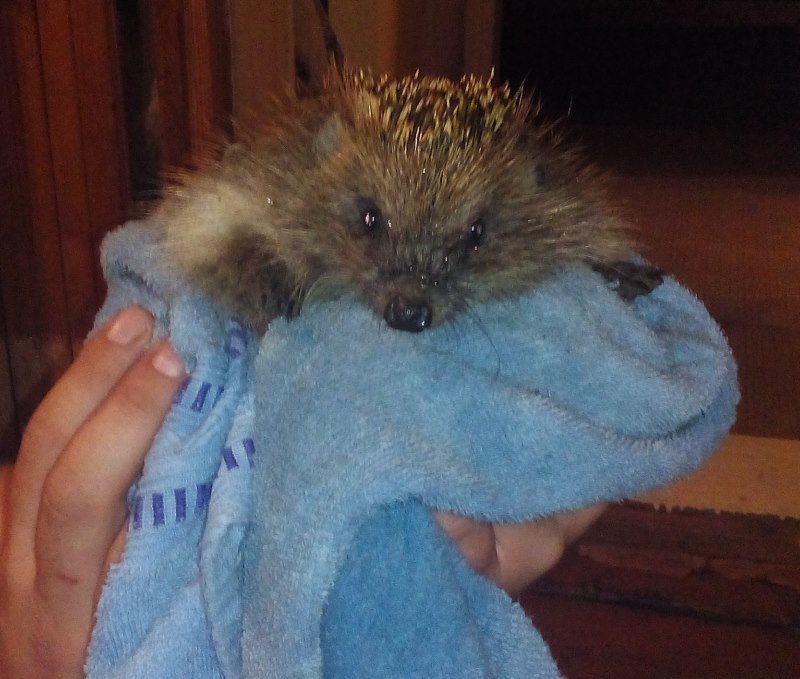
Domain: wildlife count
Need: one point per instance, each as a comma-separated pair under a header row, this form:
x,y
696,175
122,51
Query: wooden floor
x,y
679,595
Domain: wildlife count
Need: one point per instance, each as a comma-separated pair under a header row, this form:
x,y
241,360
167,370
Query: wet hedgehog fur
x,y
422,196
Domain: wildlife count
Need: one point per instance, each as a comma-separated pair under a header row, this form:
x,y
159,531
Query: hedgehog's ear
x,y
546,170
328,135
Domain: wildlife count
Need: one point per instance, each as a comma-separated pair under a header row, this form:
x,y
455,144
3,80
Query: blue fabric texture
x,y
282,524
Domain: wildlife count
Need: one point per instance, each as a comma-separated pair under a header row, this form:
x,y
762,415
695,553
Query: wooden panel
x,y
448,38
740,568
32,275
262,54
367,33
102,125
11,212
186,48
64,182
315,47
675,594
734,241
431,38
65,167
207,55
169,115
81,88
481,49
403,36
592,640
61,87
769,374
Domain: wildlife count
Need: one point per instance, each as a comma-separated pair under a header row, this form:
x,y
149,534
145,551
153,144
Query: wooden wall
x,y
64,183
83,85
402,36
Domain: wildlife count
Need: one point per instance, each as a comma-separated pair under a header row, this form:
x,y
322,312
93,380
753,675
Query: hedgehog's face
x,y
426,197
417,267
420,238
419,168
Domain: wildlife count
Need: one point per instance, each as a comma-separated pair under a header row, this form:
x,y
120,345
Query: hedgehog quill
x,y
421,196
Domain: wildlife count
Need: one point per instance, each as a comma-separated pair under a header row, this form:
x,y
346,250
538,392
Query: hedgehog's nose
x,y
404,314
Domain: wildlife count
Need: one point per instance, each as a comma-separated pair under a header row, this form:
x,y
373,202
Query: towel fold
x,y
282,526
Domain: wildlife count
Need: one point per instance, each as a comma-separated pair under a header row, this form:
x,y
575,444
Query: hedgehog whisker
x,y
474,316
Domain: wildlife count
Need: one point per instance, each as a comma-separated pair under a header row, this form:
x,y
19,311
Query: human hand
x,y
63,504
514,555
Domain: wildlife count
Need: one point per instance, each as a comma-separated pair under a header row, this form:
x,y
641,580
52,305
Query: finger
x,y
511,555
83,502
113,557
104,359
574,524
525,552
475,540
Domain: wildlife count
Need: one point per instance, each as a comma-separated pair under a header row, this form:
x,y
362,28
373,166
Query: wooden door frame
x,y
65,182
65,167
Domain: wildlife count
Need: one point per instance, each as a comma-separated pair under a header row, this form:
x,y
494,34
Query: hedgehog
x,y
421,196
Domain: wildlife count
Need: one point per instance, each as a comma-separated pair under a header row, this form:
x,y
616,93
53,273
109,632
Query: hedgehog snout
x,y
411,315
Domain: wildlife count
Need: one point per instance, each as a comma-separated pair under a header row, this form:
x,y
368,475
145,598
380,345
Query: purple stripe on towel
x,y
158,509
137,512
180,504
230,459
203,497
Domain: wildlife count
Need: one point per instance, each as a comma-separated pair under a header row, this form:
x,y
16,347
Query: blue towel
x,y
282,524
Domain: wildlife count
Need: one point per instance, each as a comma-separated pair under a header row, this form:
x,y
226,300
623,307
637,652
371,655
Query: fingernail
x,y
129,326
167,362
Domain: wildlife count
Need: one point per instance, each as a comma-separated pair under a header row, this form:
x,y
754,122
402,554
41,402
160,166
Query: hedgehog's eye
x,y
476,234
370,213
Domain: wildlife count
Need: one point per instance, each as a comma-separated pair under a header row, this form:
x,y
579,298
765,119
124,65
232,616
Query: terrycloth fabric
x,y
282,525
